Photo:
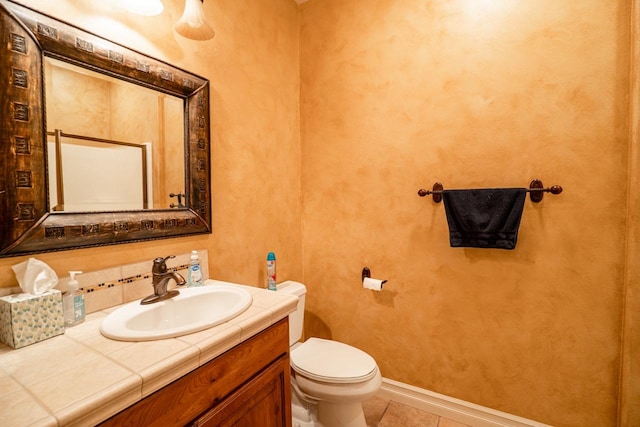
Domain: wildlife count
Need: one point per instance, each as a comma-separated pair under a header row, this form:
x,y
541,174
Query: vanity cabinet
x,y
249,385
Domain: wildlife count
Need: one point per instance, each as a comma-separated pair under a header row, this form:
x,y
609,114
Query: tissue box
x,y
26,319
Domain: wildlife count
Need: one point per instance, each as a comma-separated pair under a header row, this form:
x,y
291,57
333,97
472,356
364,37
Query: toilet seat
x,y
331,361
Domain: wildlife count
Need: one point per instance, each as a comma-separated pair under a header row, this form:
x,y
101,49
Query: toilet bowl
x,y
329,379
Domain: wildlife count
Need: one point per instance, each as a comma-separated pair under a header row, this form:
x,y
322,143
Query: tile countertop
x,y
81,378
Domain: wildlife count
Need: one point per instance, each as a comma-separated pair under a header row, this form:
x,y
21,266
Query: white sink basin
x,y
193,310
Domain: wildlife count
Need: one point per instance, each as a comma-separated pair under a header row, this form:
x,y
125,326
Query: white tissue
x,y
373,284
35,277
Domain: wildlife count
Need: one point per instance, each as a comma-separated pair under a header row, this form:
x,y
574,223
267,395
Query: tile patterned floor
x,y
379,412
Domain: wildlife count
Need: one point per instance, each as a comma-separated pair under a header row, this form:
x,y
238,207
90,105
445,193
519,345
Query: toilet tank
x,y
296,318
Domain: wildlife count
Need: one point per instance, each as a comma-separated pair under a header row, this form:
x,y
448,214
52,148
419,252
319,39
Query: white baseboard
x,y
450,407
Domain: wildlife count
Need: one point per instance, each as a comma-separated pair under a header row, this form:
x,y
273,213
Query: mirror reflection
x,y
112,145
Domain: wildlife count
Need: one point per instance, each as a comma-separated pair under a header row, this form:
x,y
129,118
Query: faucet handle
x,y
160,264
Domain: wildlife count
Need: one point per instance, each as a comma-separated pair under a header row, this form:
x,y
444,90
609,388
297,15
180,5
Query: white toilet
x,y
329,379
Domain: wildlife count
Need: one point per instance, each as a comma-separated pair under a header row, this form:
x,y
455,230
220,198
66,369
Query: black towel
x,y
484,218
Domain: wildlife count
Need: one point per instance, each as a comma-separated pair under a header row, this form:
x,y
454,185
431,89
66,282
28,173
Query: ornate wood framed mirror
x,y
28,221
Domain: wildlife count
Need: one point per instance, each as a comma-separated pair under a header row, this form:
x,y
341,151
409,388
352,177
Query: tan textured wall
x,y
77,103
253,67
630,378
398,94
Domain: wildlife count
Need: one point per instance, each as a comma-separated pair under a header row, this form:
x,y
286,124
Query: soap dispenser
x,y
73,302
194,273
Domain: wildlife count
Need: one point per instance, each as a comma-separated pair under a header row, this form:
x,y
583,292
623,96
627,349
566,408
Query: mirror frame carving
x,y
26,225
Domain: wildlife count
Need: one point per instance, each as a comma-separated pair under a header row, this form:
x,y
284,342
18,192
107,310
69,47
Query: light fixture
x,y
192,24
143,7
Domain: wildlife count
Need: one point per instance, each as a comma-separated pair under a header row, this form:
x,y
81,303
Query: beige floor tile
x,y
374,410
445,422
399,415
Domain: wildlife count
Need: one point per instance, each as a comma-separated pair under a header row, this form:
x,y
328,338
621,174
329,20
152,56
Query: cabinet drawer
x,y
186,398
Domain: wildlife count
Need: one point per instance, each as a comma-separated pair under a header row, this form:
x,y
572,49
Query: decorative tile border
x,y
125,280
106,288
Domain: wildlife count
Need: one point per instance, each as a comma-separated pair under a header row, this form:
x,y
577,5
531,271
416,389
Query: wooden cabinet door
x,y
216,382
263,402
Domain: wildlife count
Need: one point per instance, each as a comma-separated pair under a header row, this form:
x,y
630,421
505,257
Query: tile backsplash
x,y
117,285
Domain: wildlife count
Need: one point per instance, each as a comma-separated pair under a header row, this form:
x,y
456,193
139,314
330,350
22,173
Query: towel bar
x,y
536,191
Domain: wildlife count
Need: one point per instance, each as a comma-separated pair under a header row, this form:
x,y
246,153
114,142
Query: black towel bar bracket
x,y
536,191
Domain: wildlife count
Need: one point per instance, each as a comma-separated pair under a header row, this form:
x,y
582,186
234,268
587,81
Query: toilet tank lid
x,y
292,288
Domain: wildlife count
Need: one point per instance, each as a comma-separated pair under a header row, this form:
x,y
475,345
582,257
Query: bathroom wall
x,y
252,64
390,96
399,94
79,103
630,376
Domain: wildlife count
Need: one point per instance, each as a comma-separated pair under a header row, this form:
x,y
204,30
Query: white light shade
x,y
193,25
143,7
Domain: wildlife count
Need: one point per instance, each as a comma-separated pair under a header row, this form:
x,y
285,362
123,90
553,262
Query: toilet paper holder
x,y
367,273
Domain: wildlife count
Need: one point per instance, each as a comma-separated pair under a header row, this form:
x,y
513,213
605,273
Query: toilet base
x,y
331,404
301,417
329,415
306,413
333,414
303,412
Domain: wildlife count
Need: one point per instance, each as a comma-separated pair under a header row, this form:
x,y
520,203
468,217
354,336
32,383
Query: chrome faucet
x,y
160,281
